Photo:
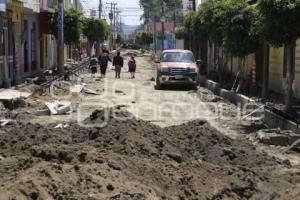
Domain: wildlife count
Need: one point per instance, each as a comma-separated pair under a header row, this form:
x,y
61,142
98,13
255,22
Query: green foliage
x,y
152,10
95,30
278,21
227,23
72,25
212,18
159,35
239,39
180,32
144,38
119,39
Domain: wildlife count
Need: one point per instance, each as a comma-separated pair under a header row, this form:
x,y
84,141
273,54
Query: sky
x,y
130,9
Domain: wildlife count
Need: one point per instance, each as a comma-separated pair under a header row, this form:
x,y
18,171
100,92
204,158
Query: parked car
x,y
177,66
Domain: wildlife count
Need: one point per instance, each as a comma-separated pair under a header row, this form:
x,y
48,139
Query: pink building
x,y
168,26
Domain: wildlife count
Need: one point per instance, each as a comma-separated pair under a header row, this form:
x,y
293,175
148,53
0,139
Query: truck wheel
x,y
195,86
158,84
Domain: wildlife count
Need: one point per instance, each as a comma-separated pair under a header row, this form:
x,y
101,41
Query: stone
x,y
175,156
114,165
110,187
277,137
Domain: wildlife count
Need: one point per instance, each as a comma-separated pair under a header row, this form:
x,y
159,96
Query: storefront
x,y
7,65
30,59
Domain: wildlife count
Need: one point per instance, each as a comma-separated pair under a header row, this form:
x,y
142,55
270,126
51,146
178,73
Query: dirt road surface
x,y
147,144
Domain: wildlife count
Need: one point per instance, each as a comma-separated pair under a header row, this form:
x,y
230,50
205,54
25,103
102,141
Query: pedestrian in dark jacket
x,y
118,62
132,66
93,65
103,61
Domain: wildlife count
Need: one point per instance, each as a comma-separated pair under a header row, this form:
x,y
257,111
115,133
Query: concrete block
x,y
277,137
242,99
228,95
214,87
273,120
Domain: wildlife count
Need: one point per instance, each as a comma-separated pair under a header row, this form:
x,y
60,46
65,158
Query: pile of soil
x,y
134,159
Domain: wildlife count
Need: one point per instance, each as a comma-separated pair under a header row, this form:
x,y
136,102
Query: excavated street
x,y
135,142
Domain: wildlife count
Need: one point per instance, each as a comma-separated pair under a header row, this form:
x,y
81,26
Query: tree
x,y
180,32
144,38
119,39
96,30
72,25
279,25
239,39
189,26
212,18
152,10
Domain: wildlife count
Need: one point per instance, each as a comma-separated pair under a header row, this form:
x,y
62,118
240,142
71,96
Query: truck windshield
x,y
186,57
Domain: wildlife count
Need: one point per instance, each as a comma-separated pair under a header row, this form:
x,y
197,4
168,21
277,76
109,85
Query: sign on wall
x,y
187,6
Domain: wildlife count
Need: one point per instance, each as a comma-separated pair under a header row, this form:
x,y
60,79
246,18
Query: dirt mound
x,y
134,159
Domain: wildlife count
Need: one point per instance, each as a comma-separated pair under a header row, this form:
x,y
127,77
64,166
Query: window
x,y
2,43
25,45
33,46
178,57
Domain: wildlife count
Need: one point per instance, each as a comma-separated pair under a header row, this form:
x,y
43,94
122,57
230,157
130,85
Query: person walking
x,y
93,65
132,67
103,61
118,62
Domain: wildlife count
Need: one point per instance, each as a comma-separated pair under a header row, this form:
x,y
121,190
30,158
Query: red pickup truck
x,y
177,66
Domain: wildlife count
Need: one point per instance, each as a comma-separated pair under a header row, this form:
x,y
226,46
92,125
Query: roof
x,y
176,50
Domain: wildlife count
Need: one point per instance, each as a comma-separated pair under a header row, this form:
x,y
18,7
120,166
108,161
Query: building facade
x,y
48,56
7,72
27,46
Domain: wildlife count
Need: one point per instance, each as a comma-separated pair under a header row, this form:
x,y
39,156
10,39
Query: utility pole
x,y
100,9
162,24
112,19
194,4
174,21
60,37
115,27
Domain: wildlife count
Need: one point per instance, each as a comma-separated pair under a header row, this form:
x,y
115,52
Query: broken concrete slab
x,y
89,91
277,137
5,122
59,107
61,125
42,112
76,89
9,94
2,107
295,146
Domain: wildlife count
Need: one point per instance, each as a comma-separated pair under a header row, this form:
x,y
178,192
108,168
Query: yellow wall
x,y
248,65
276,69
297,71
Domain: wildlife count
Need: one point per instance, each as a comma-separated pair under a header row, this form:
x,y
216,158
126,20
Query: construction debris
x,y
277,137
59,107
76,89
89,91
61,125
5,122
9,94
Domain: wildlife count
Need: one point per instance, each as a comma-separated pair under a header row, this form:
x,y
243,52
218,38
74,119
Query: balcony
x,y
33,5
48,5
